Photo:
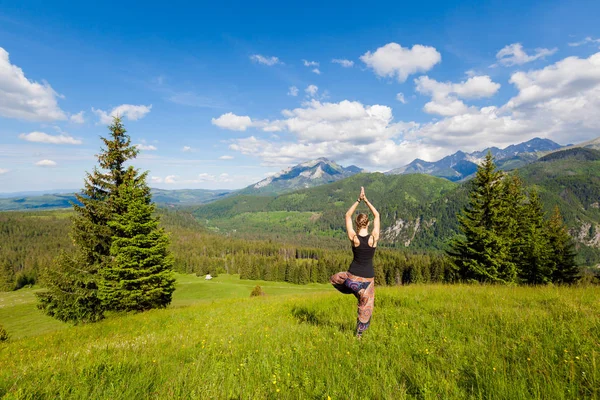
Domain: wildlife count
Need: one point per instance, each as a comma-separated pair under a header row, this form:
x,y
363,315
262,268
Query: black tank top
x,y
362,265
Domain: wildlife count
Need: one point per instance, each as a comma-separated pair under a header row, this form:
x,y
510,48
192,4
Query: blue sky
x,y
221,95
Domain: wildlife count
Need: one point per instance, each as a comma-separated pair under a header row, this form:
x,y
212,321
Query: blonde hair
x,y
362,221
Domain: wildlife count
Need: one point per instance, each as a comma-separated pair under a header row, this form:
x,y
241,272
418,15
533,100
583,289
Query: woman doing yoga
x,y
359,279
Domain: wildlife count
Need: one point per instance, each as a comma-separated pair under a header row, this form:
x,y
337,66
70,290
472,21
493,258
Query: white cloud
x,y
587,40
316,71
311,90
445,95
393,60
270,61
569,77
147,147
45,163
77,118
129,111
310,63
170,179
186,149
24,99
3,171
156,179
232,122
226,158
344,63
41,137
513,54
400,98
345,130
293,91
562,98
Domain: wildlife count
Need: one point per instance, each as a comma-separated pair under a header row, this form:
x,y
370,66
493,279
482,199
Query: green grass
x,y
425,342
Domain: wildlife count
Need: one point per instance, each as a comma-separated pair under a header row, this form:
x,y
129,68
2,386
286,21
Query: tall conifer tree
x,y
72,281
562,250
537,265
482,253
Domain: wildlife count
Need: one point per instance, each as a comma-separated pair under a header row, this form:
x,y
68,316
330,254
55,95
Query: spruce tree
x,y
537,265
140,275
72,281
513,206
7,277
562,250
482,252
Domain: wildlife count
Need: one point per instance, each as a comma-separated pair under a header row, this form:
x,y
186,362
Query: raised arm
x,y
349,226
376,222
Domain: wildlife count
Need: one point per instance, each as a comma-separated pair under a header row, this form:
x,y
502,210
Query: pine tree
x,y
72,282
140,275
537,265
7,277
482,252
562,250
513,198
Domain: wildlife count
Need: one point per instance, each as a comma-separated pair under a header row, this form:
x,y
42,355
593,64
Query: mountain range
x,y
461,165
302,176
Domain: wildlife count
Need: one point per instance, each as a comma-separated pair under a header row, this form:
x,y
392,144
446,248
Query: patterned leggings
x,y
347,283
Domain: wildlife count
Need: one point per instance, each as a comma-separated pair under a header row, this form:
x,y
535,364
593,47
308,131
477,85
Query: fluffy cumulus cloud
x,y
348,130
311,90
41,137
24,99
400,98
316,71
232,122
559,101
147,147
310,63
129,111
444,95
77,118
270,61
186,149
46,163
293,91
513,54
343,62
563,98
395,61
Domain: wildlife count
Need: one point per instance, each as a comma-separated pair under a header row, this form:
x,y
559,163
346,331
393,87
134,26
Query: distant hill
x,y
168,198
461,165
575,153
308,174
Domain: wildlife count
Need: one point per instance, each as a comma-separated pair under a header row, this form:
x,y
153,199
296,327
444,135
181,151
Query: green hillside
x,y
215,342
396,196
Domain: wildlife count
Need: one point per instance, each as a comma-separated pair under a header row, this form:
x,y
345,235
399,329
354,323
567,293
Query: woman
x,y
359,279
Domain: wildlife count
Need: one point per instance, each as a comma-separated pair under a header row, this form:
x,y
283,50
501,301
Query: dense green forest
x,y
31,240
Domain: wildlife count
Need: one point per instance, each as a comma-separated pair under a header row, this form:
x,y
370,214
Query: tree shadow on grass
x,y
312,317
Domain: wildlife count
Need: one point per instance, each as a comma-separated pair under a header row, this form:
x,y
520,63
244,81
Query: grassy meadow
x,y
297,342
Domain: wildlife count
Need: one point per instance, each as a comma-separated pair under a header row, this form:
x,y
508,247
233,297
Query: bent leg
x,y
338,281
